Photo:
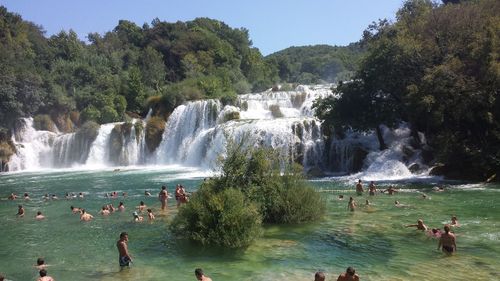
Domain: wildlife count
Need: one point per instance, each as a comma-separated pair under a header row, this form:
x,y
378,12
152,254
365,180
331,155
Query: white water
x,y
197,133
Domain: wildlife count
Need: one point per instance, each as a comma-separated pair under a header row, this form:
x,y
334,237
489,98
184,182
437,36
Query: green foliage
x,y
154,132
436,68
316,64
44,122
89,131
225,218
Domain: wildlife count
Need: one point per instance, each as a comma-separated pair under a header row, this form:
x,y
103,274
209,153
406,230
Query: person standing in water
x,y
20,211
420,225
372,188
348,275
351,206
319,276
124,257
200,276
447,241
359,188
163,195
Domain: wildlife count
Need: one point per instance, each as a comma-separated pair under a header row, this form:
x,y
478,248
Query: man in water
x,y
200,276
124,257
75,210
454,221
447,242
137,218
359,188
20,211
44,276
39,216
319,276
420,225
151,216
390,190
351,206
163,195
372,188
40,264
86,216
348,275
12,196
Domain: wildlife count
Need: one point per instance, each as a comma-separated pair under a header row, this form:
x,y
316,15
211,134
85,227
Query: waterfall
x,y
197,134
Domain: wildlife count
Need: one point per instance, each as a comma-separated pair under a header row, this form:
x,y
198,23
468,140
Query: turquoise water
x,y
373,240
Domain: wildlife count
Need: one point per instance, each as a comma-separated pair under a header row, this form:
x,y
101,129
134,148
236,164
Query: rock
x,y
358,158
414,168
315,172
427,154
438,170
408,152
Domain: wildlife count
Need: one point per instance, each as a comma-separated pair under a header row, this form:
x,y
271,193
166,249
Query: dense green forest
x,y
317,64
438,68
64,82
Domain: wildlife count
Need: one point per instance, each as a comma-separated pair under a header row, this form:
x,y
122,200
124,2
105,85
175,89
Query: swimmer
x,y
348,275
151,216
40,264
124,257
424,196
46,196
141,206
85,216
351,206
319,276
75,210
39,216
162,196
124,194
420,225
454,222
137,218
447,242
121,207
438,189
147,193
435,233
359,188
44,276
12,196
367,203
80,195
54,197
111,208
341,197
26,196
390,190
372,188
200,276
105,211
20,211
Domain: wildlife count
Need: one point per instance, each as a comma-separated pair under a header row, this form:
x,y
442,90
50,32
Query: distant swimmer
x,y
147,193
105,211
372,188
424,196
40,264
44,276
438,188
80,195
46,196
39,216
348,275
454,222
12,196
390,190
54,197
399,205
121,207
351,206
141,207
151,216
162,196
319,276
111,208
75,210
124,257
84,216
20,211
341,197
447,242
137,218
419,225
26,196
367,203
435,233
200,275
359,188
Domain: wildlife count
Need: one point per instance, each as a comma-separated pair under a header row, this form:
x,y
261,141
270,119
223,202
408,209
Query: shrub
x,y
44,122
225,218
90,113
89,131
154,132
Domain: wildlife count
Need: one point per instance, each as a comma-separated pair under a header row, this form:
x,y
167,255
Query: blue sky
x,y
273,24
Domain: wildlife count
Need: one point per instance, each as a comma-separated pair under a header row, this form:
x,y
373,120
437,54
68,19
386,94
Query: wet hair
x,y
83,211
319,276
163,187
123,234
121,204
19,206
350,271
142,203
43,273
149,211
2,277
447,229
38,213
40,261
198,272
71,207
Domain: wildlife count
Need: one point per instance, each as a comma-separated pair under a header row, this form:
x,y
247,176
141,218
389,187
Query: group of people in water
x,y
447,239
348,275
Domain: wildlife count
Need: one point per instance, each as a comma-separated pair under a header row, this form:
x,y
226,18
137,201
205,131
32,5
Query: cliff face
x,y
7,149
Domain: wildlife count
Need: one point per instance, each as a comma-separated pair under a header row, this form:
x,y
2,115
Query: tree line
x,y
436,67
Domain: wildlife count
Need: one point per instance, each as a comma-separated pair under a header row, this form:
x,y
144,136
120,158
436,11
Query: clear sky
x,y
273,24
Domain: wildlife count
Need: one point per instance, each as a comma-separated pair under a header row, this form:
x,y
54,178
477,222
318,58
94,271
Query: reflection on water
x,y
373,239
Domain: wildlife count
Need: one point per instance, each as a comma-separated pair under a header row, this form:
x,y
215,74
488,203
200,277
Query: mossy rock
x,y
74,116
7,149
139,127
63,122
154,132
233,115
276,111
116,143
89,131
43,122
298,100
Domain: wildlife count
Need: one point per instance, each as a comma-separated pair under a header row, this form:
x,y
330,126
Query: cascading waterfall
x,y
197,134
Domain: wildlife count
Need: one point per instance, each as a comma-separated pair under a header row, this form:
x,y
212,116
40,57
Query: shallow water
x,y
371,239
